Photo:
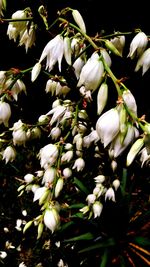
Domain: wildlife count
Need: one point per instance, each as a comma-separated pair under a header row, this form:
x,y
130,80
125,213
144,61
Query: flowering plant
x,y
74,160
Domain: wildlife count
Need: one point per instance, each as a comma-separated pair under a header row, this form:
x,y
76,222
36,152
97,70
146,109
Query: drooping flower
x,y
5,113
91,73
51,219
97,208
138,45
107,126
110,194
144,62
79,164
102,97
119,42
130,101
48,155
53,52
28,37
9,154
79,20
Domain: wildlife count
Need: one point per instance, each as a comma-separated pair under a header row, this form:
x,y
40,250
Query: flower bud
x,y
77,65
119,43
102,96
91,199
138,45
116,184
112,48
29,178
79,20
134,150
67,172
40,229
130,101
67,50
59,187
35,71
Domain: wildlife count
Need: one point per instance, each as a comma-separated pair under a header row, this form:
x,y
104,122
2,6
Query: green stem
x,y
14,20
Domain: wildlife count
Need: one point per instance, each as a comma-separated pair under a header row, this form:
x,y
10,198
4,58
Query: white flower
x,y
99,179
106,57
9,154
79,164
119,42
144,156
78,65
49,176
19,137
91,73
48,155
55,133
3,254
39,192
97,208
53,52
51,219
61,264
28,37
22,264
66,157
17,88
5,113
116,184
107,126
130,101
144,61
67,50
110,194
138,45
91,199
57,112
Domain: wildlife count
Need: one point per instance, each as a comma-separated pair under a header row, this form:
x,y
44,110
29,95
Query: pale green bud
x,y
35,71
134,150
27,226
40,229
67,50
112,48
59,186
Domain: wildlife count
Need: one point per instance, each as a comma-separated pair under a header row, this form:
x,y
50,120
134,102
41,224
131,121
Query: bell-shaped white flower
x,y
53,52
144,62
79,164
5,113
90,199
48,155
107,126
67,172
79,20
138,45
28,37
49,176
97,208
144,156
110,194
19,137
55,133
66,157
51,219
91,73
17,88
9,154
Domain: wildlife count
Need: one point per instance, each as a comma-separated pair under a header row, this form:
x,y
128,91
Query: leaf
x,y
142,241
104,259
86,236
77,206
81,186
108,243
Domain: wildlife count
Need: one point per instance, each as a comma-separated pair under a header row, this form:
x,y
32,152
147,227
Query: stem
x,y
14,20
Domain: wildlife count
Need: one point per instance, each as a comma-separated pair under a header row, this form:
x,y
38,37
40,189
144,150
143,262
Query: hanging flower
x,y
53,52
138,45
144,62
5,113
48,155
51,219
9,154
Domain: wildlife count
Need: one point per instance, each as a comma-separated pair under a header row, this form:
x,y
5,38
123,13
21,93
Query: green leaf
x,y
86,236
108,243
104,258
81,186
65,226
142,241
77,206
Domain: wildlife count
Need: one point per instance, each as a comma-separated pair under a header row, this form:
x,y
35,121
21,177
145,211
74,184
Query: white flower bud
x,y
78,65
19,137
79,20
5,113
107,126
59,187
49,176
43,119
99,179
102,97
67,50
35,71
106,57
67,172
39,192
116,184
130,101
3,254
29,178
